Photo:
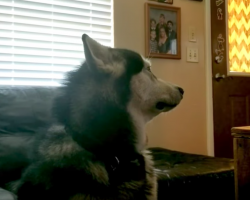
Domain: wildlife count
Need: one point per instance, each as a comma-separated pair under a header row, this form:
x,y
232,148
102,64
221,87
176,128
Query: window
x,y
41,40
238,32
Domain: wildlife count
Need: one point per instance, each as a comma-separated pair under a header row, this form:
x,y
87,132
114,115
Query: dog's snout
x,y
181,90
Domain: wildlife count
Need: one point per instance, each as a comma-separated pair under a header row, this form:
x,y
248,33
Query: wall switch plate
x,y
195,55
192,54
189,54
192,34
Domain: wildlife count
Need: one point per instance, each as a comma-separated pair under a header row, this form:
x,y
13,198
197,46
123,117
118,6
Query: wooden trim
x,y
241,129
209,88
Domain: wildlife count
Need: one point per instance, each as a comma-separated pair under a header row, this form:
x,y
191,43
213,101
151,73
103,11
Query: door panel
x,y
239,110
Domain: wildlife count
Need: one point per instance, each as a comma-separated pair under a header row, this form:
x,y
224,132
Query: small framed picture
x,y
164,1
163,31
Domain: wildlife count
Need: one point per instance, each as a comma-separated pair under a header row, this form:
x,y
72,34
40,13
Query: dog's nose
x,y
181,90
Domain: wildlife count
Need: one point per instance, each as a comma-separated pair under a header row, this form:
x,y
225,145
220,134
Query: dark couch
x,y
180,175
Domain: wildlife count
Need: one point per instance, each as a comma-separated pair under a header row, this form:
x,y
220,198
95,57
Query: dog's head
x,y
114,90
149,96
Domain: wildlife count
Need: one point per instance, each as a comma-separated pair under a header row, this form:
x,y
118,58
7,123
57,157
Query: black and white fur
x,y
97,149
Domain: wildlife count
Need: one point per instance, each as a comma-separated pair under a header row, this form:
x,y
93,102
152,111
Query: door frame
x,y
209,86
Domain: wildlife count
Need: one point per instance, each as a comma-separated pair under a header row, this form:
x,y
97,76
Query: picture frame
x,y
163,1
162,31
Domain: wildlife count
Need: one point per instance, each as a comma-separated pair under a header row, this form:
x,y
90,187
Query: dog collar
x,y
113,161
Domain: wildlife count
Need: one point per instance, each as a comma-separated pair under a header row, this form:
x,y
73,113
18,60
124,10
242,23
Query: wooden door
x,y
231,94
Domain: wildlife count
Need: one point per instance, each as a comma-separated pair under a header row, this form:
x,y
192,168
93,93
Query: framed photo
x,y
164,1
163,31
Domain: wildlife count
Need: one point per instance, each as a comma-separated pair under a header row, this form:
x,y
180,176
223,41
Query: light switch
x,y
195,55
192,54
192,34
189,54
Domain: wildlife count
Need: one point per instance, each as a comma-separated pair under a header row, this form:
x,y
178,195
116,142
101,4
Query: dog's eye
x,y
148,68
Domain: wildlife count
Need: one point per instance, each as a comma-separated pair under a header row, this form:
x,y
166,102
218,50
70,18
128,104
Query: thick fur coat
x,y
97,150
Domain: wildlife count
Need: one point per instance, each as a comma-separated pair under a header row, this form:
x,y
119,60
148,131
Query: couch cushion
x,y
24,109
190,176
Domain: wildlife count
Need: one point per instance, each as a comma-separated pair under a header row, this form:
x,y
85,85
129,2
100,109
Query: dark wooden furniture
x,y
242,162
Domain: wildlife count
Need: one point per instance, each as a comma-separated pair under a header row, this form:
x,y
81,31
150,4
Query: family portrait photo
x,y
162,31
164,1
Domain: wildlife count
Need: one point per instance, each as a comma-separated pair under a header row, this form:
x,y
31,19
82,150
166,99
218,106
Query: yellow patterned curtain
x,y
239,35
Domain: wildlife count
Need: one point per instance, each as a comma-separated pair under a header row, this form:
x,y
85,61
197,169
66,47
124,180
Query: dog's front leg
x,y
152,187
151,178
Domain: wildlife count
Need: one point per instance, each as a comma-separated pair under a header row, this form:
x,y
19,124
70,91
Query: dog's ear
x,y
97,55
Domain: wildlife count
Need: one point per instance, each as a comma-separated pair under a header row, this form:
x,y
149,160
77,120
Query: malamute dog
x,y
97,149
